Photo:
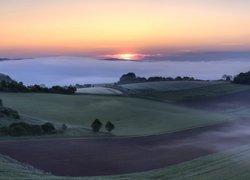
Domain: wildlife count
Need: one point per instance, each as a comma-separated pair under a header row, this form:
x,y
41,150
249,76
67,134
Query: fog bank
x,y
72,70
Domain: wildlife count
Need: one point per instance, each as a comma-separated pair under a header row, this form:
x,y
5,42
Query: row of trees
x,y
242,78
97,125
132,78
22,128
25,129
13,86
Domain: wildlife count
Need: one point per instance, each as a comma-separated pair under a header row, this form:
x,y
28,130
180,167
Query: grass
x,y
195,93
131,116
11,169
163,86
231,164
99,90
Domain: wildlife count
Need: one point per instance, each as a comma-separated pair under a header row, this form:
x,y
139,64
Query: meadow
x,y
163,86
171,94
148,112
131,116
99,90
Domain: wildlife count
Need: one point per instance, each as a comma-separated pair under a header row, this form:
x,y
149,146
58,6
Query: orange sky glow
x,y
99,27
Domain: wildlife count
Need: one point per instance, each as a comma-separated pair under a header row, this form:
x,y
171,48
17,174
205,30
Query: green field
x,y
163,86
134,116
232,164
99,90
131,116
194,93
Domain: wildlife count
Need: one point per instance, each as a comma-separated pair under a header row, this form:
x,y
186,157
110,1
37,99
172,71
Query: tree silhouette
x,y
96,125
109,126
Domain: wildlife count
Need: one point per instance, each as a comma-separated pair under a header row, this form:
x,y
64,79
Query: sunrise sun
x,y
127,56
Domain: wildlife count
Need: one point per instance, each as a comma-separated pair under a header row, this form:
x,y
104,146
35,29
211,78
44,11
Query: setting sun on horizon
x,y
126,56
97,27
125,89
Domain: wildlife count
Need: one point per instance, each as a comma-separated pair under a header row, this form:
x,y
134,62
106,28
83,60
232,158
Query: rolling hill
x,y
4,77
131,116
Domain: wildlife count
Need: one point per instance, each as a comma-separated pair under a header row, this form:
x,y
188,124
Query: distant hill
x,y
4,59
4,77
12,59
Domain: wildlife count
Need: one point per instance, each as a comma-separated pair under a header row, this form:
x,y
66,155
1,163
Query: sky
x,y
33,28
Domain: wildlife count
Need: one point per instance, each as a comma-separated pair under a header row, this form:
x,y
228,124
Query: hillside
x,y
131,116
163,86
7,115
99,90
4,77
180,90
230,164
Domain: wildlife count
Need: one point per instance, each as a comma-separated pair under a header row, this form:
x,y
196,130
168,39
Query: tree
x,y
4,130
127,78
18,130
227,77
96,125
48,127
26,126
36,130
9,112
109,126
178,78
242,78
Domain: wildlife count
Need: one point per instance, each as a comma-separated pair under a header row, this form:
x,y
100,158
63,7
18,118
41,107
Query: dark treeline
x,y
13,86
22,128
132,78
25,129
242,78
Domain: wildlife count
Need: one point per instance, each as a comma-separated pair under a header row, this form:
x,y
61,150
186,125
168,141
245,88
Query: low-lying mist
x,y
72,70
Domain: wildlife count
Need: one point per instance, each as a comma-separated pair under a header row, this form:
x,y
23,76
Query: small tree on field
x,y
48,127
109,126
227,77
96,125
17,130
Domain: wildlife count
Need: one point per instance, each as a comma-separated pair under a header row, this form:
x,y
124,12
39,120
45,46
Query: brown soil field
x,y
114,155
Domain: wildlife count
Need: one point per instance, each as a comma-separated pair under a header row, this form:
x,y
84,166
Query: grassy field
x,y
131,116
232,164
11,169
99,90
134,116
163,86
195,93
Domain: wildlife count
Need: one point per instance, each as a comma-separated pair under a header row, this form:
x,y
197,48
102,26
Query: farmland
x,y
229,164
147,112
99,90
131,116
176,92
163,86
